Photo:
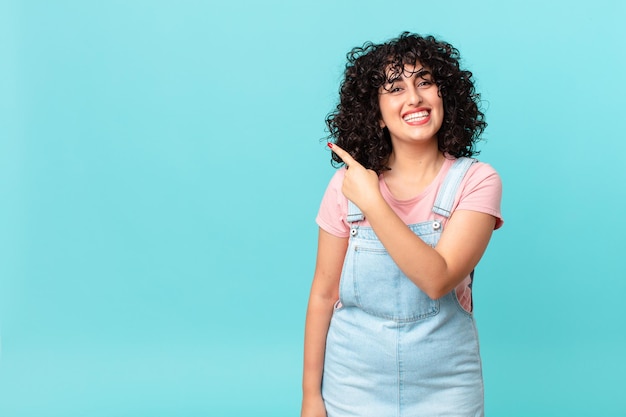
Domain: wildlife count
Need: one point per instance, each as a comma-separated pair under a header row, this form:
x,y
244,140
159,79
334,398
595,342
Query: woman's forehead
x,y
395,71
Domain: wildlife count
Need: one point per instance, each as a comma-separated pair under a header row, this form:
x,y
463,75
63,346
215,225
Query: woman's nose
x,y
414,96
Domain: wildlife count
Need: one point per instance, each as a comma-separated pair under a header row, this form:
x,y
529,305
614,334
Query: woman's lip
x,y
424,118
418,122
421,109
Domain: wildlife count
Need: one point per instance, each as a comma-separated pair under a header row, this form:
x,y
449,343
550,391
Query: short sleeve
x,y
331,216
481,191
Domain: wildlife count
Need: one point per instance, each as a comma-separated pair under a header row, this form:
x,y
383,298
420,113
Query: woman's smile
x,y
417,117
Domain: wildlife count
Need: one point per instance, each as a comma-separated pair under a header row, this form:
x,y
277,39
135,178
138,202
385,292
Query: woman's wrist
x,y
310,389
375,205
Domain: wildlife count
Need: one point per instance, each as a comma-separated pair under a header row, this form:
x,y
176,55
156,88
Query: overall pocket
x,y
382,289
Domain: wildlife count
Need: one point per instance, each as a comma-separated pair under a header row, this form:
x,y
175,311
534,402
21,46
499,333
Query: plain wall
x,y
161,168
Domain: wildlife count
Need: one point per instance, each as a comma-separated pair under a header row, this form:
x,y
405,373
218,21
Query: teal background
x,y
161,168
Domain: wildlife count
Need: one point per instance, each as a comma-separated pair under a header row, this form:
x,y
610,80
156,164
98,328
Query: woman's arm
x,y
436,271
331,251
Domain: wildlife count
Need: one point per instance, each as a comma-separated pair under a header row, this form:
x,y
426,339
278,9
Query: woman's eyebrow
x,y
393,79
420,72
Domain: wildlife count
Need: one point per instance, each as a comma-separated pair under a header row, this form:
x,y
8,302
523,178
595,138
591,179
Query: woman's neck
x,y
412,171
415,161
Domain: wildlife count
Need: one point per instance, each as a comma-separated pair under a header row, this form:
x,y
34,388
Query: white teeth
x,y
415,116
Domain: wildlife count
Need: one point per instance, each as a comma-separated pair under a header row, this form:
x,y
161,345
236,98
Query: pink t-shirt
x,y
480,190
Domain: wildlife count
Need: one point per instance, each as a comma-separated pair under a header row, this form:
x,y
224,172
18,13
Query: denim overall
x,y
391,351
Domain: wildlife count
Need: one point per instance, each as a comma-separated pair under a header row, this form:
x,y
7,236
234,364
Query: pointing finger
x,y
345,156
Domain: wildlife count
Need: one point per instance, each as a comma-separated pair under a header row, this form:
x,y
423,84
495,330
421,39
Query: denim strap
x,y
354,217
450,186
354,213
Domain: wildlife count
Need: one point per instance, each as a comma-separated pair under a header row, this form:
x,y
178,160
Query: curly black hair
x,y
354,124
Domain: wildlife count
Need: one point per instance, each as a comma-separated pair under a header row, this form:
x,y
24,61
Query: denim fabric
x,y
391,351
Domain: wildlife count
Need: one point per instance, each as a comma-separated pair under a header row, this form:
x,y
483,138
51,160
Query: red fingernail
x,y
330,145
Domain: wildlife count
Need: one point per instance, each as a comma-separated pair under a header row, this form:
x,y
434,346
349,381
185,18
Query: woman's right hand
x,y
360,185
313,407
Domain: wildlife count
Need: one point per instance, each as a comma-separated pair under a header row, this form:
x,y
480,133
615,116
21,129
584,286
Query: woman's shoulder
x,y
337,179
333,208
481,190
484,170
477,172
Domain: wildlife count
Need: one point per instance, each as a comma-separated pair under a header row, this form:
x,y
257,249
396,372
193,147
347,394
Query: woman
x,y
389,328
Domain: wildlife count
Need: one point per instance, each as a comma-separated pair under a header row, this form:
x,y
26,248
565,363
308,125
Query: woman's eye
x,y
425,83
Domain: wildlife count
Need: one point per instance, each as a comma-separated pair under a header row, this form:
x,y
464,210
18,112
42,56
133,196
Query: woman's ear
x,y
381,123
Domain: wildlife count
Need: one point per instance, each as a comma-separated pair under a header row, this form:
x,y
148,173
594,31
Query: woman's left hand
x,y
360,185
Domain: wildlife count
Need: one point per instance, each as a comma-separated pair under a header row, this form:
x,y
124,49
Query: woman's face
x,y
410,106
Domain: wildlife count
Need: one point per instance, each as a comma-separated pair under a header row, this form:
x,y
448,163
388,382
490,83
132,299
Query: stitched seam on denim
x,y
354,213
400,381
342,279
401,320
415,228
